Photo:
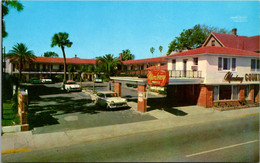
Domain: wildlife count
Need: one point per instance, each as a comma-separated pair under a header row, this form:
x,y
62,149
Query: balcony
x,y
184,74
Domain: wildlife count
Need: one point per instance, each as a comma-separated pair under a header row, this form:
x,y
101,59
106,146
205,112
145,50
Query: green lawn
x,y
10,117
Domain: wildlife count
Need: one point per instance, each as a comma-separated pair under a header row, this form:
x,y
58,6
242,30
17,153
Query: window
x,y
226,63
173,64
252,64
215,93
219,63
213,43
225,92
235,92
255,64
195,61
233,64
247,90
258,65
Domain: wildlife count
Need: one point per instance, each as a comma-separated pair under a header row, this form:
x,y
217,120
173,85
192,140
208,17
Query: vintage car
x,y
46,80
70,85
98,80
35,80
110,100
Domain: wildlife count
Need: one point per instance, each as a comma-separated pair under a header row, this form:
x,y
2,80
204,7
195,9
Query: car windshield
x,y
111,95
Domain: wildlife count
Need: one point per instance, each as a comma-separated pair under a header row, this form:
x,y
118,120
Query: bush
x,y
7,88
243,102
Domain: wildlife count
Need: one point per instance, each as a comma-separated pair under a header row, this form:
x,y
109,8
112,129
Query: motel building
x,y
50,67
209,75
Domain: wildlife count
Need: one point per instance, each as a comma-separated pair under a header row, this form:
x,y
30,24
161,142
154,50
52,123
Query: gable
x,y
209,40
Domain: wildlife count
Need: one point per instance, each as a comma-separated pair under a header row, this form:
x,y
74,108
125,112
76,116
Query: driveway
x,y
53,110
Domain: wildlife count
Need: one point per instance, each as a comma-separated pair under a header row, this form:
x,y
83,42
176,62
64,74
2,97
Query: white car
x,y
98,80
110,100
70,85
46,81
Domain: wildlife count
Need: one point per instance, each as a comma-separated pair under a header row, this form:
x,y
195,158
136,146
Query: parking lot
x,y
53,110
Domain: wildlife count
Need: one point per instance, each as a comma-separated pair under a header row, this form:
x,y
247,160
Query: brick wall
x,y
117,88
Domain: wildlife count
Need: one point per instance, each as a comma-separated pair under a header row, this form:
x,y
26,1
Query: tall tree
x,y
193,38
50,54
6,4
127,55
21,55
69,68
160,49
61,40
152,50
109,62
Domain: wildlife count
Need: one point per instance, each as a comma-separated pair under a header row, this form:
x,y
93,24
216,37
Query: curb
x,y
10,151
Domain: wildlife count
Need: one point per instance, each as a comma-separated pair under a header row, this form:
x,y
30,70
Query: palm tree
x,y
109,63
160,49
61,40
50,54
6,4
152,50
69,70
21,55
82,68
126,55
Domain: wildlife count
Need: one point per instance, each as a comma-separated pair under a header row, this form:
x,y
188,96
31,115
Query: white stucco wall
x,y
243,66
208,65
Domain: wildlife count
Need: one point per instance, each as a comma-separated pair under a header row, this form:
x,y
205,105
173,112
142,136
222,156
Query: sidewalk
x,y
25,141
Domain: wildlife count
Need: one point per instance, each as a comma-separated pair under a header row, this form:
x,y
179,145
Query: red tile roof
x,y
163,67
216,50
68,60
147,60
239,42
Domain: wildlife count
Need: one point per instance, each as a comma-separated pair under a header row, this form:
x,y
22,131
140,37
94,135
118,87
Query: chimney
x,y
234,31
120,56
76,56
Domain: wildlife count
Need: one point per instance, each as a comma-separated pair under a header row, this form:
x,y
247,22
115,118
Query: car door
x,y
101,99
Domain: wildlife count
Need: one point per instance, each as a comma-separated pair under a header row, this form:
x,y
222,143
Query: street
x,y
231,140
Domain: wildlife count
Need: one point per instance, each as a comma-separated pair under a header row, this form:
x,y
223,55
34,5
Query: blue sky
x,y
97,28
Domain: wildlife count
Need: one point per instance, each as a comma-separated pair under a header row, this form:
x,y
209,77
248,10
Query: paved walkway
x,y
25,141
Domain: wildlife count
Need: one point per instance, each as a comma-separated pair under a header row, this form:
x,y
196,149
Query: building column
x,y
117,88
241,94
251,93
142,98
206,96
256,93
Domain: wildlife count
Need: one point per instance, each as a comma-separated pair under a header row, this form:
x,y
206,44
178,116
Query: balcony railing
x,y
184,74
172,73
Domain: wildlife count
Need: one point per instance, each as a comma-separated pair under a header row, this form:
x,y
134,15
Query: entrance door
x,y
184,67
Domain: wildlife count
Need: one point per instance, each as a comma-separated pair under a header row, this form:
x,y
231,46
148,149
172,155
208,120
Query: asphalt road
x,y
232,140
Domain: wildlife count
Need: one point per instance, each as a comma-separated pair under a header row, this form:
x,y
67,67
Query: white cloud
x,y
239,18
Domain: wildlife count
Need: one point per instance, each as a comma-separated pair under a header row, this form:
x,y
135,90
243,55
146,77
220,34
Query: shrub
x,y
216,104
243,102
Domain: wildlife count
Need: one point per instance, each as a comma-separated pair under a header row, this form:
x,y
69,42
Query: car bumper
x,y
75,89
117,106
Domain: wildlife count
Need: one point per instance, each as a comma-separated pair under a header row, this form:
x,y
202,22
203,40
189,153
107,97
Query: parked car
x,y
110,100
35,80
98,80
70,85
45,81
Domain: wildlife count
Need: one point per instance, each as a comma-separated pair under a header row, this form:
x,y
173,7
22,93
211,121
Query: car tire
x,y
107,107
